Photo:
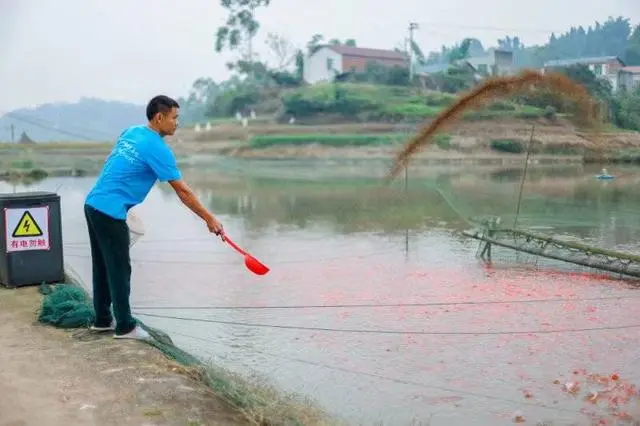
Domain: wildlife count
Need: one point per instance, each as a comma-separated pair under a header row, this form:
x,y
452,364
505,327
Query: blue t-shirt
x,y
138,159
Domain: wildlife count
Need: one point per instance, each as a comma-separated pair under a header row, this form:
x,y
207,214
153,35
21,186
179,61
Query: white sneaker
x,y
137,333
112,327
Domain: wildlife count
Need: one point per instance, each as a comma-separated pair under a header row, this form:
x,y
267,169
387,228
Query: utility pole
x,y
13,139
412,27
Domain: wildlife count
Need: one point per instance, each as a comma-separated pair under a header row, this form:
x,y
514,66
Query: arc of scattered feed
x,y
586,115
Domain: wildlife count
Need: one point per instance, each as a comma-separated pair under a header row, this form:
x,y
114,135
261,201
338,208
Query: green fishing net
x,y
65,306
68,306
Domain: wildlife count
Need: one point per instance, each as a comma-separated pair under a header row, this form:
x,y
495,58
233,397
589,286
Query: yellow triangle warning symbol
x,y
27,227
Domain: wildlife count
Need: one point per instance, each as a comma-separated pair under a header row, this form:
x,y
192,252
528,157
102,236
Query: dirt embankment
x,y
469,139
49,378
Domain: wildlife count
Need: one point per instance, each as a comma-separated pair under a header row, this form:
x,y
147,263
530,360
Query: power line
x,y
210,262
490,28
33,122
390,305
414,332
52,125
198,240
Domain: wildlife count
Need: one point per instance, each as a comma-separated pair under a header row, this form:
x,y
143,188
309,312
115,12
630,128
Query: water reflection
x,y
567,200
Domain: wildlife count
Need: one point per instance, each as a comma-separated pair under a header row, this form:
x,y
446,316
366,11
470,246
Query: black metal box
x,y
30,239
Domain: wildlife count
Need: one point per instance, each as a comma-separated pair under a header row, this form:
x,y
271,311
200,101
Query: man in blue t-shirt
x,y
139,158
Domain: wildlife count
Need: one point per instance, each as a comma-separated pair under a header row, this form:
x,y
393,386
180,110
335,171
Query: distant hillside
x,y
86,120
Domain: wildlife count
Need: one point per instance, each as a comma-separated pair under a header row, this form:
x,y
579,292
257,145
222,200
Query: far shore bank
x,y
41,170
474,142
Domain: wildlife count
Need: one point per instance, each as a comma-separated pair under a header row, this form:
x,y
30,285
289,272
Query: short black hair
x,y
160,103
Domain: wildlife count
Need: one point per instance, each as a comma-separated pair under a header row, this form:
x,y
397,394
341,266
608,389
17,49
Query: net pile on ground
x,y
68,306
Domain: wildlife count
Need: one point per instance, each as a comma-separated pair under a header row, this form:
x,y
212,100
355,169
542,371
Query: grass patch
x,y
334,140
389,103
24,176
22,164
152,413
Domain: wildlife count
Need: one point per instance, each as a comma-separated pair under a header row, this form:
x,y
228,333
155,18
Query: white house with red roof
x,y
329,61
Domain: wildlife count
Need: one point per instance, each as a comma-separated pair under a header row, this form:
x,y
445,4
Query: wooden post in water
x,y
406,178
524,176
406,244
406,231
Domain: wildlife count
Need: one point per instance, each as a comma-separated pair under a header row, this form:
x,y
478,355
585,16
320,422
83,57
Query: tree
x,y
510,43
240,23
632,52
607,39
475,47
598,87
460,52
283,50
348,42
626,110
314,44
417,52
203,89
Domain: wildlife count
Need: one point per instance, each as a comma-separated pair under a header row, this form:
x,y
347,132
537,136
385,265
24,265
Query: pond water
x,y
438,336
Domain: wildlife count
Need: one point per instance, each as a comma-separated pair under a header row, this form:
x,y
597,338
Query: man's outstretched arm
x,y
190,199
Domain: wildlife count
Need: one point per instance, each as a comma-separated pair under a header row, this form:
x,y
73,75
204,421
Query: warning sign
x,y
27,229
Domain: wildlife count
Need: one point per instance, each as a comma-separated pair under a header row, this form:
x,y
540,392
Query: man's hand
x,y
215,226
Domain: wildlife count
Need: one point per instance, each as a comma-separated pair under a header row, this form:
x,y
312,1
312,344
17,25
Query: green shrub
x,y
387,103
550,113
507,145
346,99
443,140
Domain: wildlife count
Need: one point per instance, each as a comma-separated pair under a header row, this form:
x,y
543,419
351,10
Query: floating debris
x,y
572,387
614,392
518,417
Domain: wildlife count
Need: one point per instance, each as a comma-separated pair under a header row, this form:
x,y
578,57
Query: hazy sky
x,y
61,50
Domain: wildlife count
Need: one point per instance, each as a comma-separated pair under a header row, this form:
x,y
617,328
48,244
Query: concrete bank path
x,y
47,377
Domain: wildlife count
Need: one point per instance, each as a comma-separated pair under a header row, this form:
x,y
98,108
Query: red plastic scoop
x,y
251,262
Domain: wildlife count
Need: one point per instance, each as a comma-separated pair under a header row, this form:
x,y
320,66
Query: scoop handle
x,y
232,244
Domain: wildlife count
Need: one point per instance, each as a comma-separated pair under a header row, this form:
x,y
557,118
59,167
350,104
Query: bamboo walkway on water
x,y
556,249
